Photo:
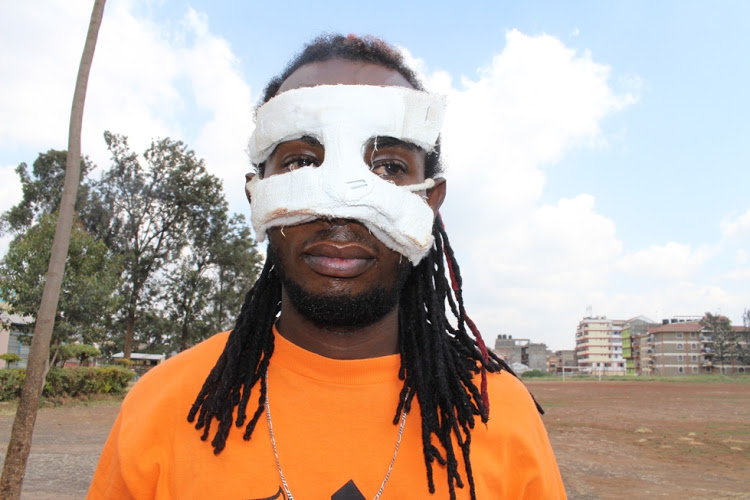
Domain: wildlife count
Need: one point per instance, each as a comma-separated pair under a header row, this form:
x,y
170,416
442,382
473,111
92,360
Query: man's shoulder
x,y
509,395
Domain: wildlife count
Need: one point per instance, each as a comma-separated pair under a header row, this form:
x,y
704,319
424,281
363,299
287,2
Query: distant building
x,y
142,362
563,361
633,331
523,351
599,346
681,347
11,327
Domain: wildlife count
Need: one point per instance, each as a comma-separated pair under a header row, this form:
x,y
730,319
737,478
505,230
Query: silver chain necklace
x,y
278,464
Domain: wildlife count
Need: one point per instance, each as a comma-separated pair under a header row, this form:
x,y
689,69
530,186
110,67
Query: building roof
x,y
140,355
688,326
15,319
641,318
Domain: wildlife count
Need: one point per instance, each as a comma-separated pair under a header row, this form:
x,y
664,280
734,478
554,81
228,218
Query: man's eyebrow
x,y
389,142
310,140
307,139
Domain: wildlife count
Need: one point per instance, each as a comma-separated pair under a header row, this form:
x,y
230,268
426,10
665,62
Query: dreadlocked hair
x,y
439,361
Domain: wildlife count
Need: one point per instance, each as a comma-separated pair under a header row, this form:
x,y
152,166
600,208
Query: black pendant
x,y
348,492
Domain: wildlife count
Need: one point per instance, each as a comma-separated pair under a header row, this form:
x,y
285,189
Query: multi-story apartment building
x,y
599,346
684,348
633,331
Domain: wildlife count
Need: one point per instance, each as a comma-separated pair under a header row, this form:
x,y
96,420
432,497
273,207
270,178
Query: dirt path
x,y
65,449
613,440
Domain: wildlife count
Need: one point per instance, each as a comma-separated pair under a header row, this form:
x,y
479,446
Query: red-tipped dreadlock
x,y
478,336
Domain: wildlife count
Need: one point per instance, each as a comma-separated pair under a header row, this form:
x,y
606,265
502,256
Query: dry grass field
x,y
613,440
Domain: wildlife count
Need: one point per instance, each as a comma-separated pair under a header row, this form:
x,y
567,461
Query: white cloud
x,y
741,256
741,274
530,269
736,225
672,261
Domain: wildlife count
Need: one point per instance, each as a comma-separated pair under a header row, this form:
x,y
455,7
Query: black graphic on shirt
x,y
279,495
348,492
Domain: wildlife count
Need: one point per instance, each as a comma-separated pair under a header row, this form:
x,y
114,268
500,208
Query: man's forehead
x,y
351,113
343,72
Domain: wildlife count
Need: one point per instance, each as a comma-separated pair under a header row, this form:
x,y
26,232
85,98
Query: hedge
x,y
78,381
536,374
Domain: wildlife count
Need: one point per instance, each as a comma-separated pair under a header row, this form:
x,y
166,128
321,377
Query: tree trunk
x,y
127,347
23,425
184,337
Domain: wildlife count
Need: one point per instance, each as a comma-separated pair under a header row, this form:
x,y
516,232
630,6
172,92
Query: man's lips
x,y
339,260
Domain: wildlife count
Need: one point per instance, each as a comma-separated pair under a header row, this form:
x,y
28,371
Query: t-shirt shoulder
x,y
182,373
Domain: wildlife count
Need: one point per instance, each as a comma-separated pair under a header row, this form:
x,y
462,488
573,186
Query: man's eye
x,y
388,168
296,162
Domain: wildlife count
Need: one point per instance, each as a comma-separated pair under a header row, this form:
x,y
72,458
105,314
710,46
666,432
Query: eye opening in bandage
x,y
389,158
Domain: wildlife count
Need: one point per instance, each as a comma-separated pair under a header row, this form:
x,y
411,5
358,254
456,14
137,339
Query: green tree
x,y
237,265
88,297
81,352
42,191
724,337
143,211
204,288
10,357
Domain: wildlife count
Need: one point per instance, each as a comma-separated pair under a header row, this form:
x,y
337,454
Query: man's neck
x,y
339,342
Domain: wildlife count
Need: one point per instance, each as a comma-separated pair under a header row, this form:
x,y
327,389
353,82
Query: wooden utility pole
x,y
23,426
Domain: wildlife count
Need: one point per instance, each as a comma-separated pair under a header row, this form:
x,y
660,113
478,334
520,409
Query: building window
x,y
693,358
680,347
681,369
694,369
694,346
679,335
693,335
679,358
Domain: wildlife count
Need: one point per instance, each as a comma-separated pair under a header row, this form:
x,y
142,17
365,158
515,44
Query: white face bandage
x,y
344,119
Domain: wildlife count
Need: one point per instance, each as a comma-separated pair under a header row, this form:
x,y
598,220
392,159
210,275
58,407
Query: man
x,y
343,377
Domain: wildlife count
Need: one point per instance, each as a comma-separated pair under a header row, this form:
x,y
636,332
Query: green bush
x,y
73,382
535,374
11,381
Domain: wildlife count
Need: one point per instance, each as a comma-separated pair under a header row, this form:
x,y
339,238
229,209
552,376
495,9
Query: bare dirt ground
x,y
613,440
649,439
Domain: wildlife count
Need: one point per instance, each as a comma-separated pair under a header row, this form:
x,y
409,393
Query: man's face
x,y
334,271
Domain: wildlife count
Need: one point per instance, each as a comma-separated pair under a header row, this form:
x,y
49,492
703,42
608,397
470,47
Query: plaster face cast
x,y
344,119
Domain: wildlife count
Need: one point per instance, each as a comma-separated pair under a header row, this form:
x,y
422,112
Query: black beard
x,y
331,310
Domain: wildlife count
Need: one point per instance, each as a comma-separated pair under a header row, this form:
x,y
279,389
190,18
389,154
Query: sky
x,y
597,153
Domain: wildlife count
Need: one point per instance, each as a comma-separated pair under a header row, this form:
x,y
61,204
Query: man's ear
x,y
436,195
248,177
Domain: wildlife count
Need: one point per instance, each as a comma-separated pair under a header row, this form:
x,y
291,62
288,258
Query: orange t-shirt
x,y
333,424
